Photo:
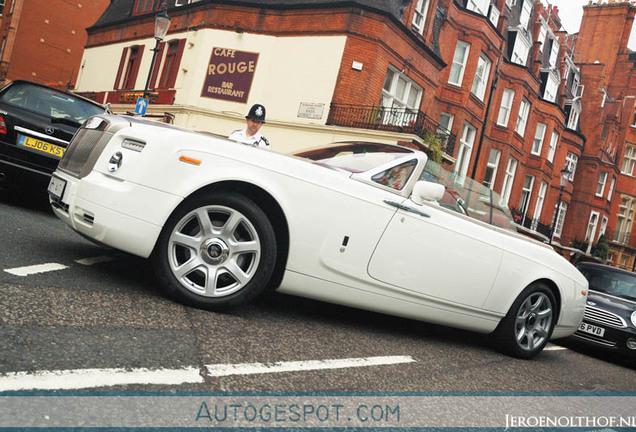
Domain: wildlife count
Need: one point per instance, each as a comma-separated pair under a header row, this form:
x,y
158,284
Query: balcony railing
x,y
530,223
622,237
390,119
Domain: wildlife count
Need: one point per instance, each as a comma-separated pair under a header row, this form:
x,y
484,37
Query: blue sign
x,y
142,106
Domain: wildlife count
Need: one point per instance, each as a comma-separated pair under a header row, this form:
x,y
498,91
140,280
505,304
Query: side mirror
x,y
427,191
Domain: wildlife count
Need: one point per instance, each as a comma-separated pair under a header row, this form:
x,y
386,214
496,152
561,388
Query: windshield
x,y
466,196
355,157
59,106
611,282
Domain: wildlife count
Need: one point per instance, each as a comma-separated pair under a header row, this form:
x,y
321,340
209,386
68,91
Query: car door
x,y
435,252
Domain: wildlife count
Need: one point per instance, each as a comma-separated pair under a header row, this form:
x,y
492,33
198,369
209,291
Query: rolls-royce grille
x,y
79,151
604,317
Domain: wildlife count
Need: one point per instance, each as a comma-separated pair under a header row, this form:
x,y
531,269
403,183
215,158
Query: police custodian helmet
x,y
257,113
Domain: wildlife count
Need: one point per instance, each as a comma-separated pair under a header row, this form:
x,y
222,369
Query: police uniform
x,y
257,114
256,140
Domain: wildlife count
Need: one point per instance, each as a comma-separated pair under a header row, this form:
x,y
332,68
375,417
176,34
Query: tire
x,y
528,325
216,251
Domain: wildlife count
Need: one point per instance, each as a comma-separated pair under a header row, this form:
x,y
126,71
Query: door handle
x,y
407,208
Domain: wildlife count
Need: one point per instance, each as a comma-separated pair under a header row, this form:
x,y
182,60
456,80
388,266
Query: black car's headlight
x,y
634,318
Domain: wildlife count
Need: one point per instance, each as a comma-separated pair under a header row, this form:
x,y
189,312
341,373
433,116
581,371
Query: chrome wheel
x,y
534,321
214,251
528,325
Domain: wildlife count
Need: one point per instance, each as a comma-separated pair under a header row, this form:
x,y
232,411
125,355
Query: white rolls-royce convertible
x,y
368,225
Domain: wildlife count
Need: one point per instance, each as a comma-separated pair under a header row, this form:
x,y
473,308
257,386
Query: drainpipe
x,y
495,78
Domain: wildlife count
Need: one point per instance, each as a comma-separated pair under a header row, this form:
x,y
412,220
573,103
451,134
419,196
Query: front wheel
x,y
216,251
527,327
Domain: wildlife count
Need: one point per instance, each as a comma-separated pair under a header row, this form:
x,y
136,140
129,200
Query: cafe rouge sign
x,y
230,74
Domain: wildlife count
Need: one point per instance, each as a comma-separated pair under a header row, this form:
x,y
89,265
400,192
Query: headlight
x,y
95,123
634,318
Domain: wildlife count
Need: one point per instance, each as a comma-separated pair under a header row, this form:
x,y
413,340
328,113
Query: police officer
x,y
251,135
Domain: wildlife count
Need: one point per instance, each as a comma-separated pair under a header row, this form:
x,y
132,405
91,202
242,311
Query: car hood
x,y
618,305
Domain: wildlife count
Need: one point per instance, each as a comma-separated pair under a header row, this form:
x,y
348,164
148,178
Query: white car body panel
x,y
381,264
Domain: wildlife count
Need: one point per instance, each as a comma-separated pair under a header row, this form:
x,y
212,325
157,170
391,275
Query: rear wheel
x,y
216,251
527,327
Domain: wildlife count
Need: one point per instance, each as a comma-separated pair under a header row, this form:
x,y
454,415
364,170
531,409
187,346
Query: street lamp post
x,y
162,22
563,181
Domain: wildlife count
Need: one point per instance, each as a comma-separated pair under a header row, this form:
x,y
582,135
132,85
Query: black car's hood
x,y
612,303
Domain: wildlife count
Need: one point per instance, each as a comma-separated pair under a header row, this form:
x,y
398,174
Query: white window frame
x,y
465,150
571,160
493,15
554,140
561,212
610,192
551,87
600,186
522,117
539,135
511,3
520,50
459,63
629,160
592,225
575,113
524,16
478,6
445,127
624,221
543,33
482,73
526,194
509,178
491,167
554,53
391,99
603,228
507,99
538,206
420,14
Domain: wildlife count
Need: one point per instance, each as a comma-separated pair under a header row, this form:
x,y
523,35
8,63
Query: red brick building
x,y
605,196
43,40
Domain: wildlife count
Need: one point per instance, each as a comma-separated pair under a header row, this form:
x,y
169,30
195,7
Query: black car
x,y
36,124
610,313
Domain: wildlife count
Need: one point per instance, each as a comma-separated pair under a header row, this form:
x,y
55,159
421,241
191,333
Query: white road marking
x,y
293,366
86,378
96,260
90,378
33,269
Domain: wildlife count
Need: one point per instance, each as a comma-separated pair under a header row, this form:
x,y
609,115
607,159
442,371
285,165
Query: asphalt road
x,y
88,308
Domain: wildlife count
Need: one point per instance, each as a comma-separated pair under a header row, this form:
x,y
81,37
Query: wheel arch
x,y
553,287
272,209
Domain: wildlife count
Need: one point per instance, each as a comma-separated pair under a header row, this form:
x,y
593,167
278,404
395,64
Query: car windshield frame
x,y
468,197
355,158
60,106
610,281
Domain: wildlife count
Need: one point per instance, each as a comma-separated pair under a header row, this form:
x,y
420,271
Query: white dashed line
x,y
33,269
87,378
90,378
294,366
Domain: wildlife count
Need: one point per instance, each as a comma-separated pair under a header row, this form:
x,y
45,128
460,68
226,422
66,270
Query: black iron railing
x,y
530,223
391,119
583,245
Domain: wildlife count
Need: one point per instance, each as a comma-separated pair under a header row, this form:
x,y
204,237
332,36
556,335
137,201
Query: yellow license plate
x,y
42,146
